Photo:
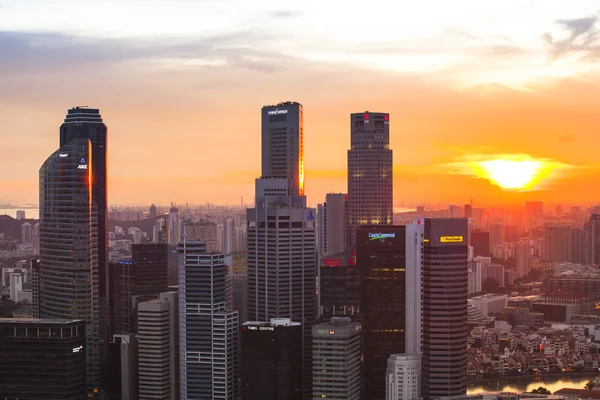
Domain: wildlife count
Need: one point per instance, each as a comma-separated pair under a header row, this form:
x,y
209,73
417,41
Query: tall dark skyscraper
x,y
68,277
444,307
283,144
339,285
370,165
481,243
381,259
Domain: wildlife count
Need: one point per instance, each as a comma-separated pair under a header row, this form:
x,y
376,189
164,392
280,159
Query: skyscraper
x,y
339,285
208,332
69,277
381,259
173,228
444,293
592,240
283,144
370,165
26,233
522,250
333,224
556,243
282,261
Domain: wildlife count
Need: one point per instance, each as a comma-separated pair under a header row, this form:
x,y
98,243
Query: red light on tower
x,y
386,117
366,116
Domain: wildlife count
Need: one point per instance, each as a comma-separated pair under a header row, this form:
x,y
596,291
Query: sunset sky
x,y
180,84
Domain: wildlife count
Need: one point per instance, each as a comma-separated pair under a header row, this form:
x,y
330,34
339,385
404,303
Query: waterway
x,y
552,383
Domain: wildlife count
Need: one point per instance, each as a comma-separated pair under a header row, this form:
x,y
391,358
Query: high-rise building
x,y
337,360
577,245
227,236
333,225
522,252
42,359
204,230
403,380
282,260
556,243
20,215
123,367
283,144
444,307
468,211
239,294
452,211
144,275
35,238
152,213
339,285
272,360
381,259
534,208
592,240
26,233
69,274
35,287
16,285
370,164
208,332
481,243
157,348
173,226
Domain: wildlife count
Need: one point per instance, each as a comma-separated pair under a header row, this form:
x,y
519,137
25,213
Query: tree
x,y
490,285
541,390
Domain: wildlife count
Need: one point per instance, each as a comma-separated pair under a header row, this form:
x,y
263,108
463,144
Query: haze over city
x,y
180,85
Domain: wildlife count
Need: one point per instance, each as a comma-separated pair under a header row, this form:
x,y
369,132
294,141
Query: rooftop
x,y
45,321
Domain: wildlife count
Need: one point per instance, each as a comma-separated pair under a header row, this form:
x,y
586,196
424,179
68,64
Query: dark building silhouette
x,y
577,245
152,213
123,367
339,285
140,279
468,211
592,240
42,359
556,243
381,259
370,161
481,243
444,307
69,277
272,360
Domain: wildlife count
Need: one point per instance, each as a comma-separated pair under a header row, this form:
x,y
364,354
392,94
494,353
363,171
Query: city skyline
x,y
461,92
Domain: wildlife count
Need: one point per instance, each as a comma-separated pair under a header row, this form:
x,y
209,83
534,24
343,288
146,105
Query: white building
x,y
16,286
403,379
26,233
474,276
490,303
228,236
333,225
20,215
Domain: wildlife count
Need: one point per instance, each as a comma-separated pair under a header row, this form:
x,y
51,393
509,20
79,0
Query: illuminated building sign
x,y
63,155
77,349
261,328
333,262
82,166
451,239
277,111
381,236
325,332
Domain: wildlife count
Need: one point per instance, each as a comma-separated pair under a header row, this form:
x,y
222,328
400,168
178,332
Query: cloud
x,y
582,36
286,14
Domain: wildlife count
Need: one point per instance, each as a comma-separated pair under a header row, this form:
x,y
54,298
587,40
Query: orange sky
x,y
190,132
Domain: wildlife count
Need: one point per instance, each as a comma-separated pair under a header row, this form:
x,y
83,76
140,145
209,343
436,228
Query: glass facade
x,y
381,260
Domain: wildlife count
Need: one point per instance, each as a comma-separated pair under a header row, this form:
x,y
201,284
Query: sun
x,y
512,174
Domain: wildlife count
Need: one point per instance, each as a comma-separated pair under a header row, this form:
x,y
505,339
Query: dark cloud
x,y
583,37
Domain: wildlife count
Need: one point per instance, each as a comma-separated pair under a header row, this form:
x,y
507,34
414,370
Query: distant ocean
x,y
30,213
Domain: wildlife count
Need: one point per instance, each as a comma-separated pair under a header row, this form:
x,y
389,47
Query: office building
x,y
337,360
69,275
15,286
339,285
206,231
381,259
20,215
444,307
173,226
475,276
239,294
282,261
123,367
283,144
144,275
35,238
370,164
556,243
35,287
272,360
481,243
522,252
333,225
42,359
209,333
403,379
592,240
26,233
158,348
577,246
227,236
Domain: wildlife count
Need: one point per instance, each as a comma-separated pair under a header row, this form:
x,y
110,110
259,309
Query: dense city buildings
x,y
69,270
370,162
283,144
403,379
339,285
144,275
337,363
444,293
333,224
122,382
381,259
43,359
157,348
282,260
209,333
271,362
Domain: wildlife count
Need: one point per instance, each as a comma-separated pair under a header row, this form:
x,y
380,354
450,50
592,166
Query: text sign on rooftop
x,y
277,111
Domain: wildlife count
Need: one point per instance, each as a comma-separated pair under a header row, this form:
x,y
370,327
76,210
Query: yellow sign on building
x,y
451,239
